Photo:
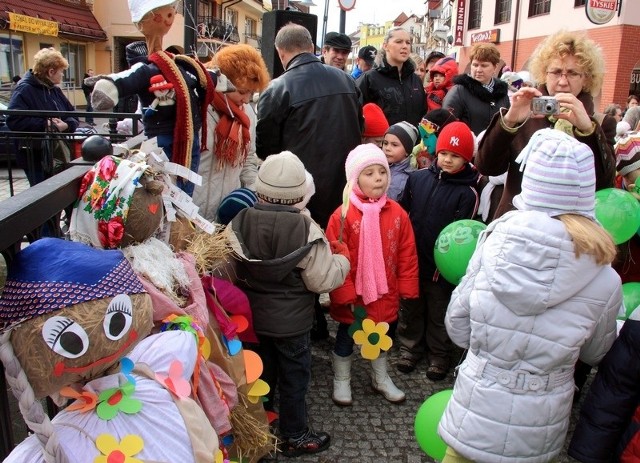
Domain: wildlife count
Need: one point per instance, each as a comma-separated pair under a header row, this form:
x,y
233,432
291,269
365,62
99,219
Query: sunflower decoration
x,y
371,336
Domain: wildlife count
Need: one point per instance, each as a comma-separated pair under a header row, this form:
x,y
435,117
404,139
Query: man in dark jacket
x,y
312,110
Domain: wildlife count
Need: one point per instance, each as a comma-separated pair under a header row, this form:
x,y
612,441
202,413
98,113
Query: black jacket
x,y
473,104
607,426
434,199
314,111
401,96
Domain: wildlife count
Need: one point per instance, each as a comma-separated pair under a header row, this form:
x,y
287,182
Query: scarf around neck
x,y
232,132
371,277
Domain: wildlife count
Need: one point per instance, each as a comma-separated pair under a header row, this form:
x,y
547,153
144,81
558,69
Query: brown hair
x,y
48,58
243,65
485,52
589,238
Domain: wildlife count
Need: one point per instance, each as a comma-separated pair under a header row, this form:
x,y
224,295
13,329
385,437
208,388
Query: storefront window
x,y
11,58
76,54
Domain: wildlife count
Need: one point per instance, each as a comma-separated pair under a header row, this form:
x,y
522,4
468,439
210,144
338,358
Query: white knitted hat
x,y
361,157
559,175
139,8
281,179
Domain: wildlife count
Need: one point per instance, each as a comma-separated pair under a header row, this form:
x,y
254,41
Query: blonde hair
x,y
48,58
589,238
587,53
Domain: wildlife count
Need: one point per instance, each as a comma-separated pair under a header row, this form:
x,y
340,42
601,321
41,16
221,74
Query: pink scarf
x,y
371,276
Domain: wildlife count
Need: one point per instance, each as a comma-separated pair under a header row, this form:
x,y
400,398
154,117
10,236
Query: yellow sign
x,y
22,23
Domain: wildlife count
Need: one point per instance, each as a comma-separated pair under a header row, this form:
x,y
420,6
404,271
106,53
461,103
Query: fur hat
x,y
406,133
361,157
281,179
338,41
375,122
243,65
628,153
233,203
139,8
457,138
559,175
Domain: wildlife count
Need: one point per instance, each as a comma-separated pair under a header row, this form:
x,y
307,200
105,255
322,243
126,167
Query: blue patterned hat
x,y
52,274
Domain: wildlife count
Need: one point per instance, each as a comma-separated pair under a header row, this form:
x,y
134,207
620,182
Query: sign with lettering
x,y
492,36
601,11
31,25
458,32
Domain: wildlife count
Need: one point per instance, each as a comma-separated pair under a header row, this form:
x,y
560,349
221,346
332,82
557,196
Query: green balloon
x,y
426,424
630,298
619,213
454,248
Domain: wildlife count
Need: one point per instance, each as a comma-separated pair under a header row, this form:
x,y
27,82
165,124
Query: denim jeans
x,y
287,365
344,342
166,143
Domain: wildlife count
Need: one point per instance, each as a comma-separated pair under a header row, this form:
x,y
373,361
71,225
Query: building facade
x,y
518,26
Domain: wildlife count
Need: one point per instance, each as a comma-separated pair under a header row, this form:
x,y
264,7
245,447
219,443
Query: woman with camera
x,y
571,69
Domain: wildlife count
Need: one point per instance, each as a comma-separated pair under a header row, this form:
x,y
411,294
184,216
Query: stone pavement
x,y
372,430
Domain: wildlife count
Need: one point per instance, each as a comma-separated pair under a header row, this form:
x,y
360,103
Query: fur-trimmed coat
x,y
473,104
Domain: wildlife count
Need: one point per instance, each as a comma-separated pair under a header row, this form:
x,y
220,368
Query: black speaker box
x,y
272,21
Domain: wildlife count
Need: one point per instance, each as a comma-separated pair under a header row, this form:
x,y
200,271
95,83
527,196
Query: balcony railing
x,y
216,28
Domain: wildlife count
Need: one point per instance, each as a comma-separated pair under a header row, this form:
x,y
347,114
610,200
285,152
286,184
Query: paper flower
x,y
85,400
174,382
118,452
373,338
118,399
258,390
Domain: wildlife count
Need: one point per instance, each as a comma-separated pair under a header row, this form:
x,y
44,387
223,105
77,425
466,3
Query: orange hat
x,y
375,122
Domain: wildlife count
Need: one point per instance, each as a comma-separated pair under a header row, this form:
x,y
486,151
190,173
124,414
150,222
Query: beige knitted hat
x,y
281,179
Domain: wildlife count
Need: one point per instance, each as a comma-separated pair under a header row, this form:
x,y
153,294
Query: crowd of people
x,y
340,184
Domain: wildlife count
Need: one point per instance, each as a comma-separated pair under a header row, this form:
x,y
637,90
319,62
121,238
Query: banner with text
x,y
459,30
22,23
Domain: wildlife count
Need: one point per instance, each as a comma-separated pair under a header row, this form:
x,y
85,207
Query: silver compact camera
x,y
546,105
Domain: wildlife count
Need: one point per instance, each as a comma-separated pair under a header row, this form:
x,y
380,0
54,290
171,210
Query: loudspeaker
x,y
272,21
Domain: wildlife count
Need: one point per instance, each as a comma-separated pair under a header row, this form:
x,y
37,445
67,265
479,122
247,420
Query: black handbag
x,y
56,152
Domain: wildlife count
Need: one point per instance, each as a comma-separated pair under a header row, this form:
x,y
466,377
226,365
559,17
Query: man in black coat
x,y
314,111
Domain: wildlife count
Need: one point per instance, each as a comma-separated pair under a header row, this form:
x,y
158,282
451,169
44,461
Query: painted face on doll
x,y
158,21
82,341
450,162
373,181
393,149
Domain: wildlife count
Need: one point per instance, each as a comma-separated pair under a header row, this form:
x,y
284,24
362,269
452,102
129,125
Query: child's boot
x,y
342,380
381,381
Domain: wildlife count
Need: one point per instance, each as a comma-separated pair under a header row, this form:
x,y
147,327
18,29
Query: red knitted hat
x,y
375,122
457,138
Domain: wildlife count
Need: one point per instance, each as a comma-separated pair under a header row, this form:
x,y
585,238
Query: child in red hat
x,y
421,327
375,124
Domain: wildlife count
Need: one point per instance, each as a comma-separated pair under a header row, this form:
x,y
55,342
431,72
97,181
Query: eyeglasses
x,y
570,75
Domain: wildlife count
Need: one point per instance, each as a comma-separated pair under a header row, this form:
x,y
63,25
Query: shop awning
x,y
75,21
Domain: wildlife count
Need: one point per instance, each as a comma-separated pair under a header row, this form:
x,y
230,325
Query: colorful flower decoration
x,y
118,399
257,391
359,314
174,382
85,400
373,338
118,452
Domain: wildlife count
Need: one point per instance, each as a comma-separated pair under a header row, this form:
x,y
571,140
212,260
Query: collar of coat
x,y
392,71
500,88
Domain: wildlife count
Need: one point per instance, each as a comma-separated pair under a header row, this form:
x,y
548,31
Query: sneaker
x,y
309,442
